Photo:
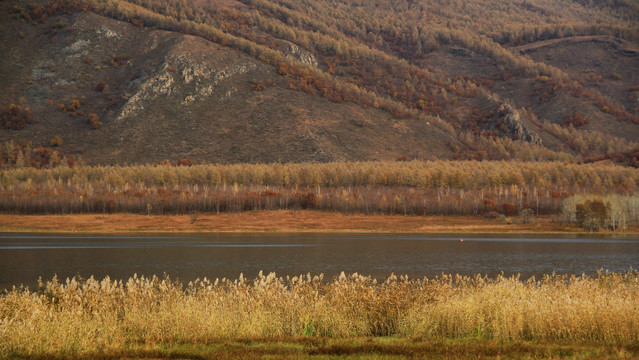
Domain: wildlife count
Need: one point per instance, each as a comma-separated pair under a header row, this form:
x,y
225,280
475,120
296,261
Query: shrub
x,y
136,22
17,12
56,141
94,121
72,107
490,205
576,120
117,60
258,85
508,209
543,78
527,215
592,214
15,117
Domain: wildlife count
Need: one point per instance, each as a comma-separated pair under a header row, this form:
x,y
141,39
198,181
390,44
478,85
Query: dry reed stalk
x,y
91,316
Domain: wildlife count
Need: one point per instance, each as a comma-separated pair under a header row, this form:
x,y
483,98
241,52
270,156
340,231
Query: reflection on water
x,y
25,257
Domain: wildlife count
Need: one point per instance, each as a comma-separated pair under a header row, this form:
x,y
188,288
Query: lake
x,y
25,257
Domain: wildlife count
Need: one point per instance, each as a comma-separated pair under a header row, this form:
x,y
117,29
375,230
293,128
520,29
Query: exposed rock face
x,y
159,84
186,78
108,33
512,120
294,51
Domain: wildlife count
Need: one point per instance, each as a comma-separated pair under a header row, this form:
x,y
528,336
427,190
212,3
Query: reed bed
x,y
76,317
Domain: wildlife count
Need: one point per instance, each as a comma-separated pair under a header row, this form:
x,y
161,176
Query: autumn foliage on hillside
x,y
365,54
27,155
383,55
15,117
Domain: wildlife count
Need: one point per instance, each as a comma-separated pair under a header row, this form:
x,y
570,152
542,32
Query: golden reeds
x,y
88,316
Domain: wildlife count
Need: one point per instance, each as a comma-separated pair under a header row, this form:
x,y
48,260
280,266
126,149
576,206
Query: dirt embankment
x,y
277,221
627,47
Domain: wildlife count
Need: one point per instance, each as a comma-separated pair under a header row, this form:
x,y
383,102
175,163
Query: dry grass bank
x,y
88,318
277,221
299,348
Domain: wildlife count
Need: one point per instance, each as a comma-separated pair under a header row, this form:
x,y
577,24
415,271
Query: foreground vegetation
x,y
87,317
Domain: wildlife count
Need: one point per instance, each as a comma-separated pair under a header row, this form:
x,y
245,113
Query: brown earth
x,y
168,96
179,96
614,60
277,221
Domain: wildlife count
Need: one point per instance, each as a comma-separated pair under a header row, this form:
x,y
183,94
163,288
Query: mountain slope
x,y
324,80
178,96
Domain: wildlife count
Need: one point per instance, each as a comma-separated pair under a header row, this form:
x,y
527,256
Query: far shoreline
x,y
285,221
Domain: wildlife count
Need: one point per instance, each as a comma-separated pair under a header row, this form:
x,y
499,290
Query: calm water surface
x,y
25,257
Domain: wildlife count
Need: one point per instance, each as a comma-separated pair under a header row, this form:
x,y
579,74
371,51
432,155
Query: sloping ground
x,y
167,96
614,61
604,64
163,95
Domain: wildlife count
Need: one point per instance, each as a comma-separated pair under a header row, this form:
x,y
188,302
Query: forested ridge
x,y
497,102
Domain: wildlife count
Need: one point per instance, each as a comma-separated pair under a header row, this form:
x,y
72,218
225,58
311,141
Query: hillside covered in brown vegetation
x,y
143,81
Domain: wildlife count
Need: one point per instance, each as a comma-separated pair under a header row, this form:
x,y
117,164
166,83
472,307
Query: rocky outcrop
x,y
512,120
293,51
182,77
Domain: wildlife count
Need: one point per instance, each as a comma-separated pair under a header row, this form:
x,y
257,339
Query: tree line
x,y
461,188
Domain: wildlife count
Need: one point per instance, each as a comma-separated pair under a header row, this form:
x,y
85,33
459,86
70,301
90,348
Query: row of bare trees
x,y
597,212
183,199
408,188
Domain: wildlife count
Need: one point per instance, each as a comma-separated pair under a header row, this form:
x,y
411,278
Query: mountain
x,y
142,81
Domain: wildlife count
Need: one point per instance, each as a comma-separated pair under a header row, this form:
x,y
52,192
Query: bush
x,y
508,209
543,78
72,107
576,120
592,214
56,141
490,205
15,117
527,215
117,60
94,121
